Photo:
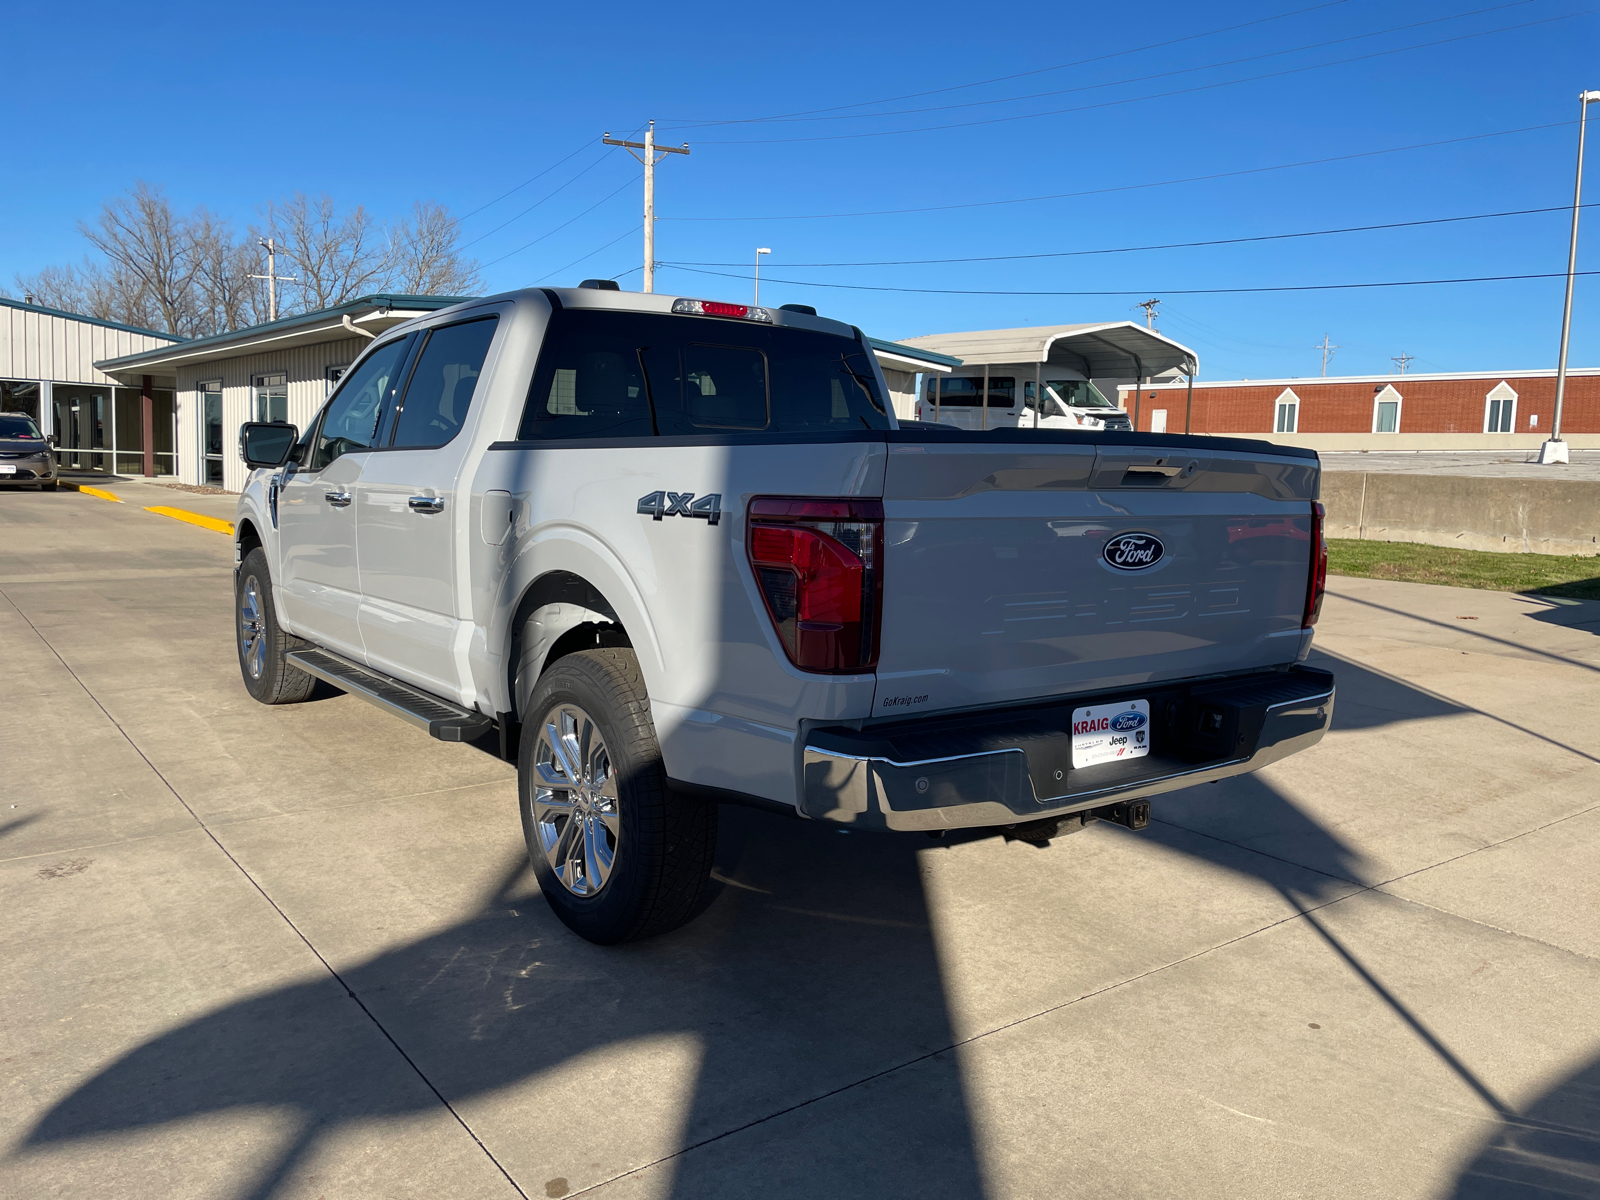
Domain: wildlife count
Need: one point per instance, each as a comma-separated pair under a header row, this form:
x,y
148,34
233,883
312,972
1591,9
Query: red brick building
x,y
1477,402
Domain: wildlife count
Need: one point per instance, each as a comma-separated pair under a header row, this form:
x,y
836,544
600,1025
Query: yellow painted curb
x,y
183,514
94,491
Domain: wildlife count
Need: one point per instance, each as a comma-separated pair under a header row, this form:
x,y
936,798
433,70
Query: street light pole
x,y
760,250
1555,450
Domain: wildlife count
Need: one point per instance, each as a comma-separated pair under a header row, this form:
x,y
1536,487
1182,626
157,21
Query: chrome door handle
x,y
337,499
426,504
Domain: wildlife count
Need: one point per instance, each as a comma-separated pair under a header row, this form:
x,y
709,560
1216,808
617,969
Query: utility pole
x,y
272,277
1327,349
1555,450
760,250
1403,360
649,159
1149,307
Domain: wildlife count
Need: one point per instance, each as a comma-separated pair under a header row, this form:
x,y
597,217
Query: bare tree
x,y
426,261
334,258
144,240
191,274
107,292
226,295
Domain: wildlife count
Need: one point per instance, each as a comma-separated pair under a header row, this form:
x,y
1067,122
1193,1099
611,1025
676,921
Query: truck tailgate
x,y
1008,575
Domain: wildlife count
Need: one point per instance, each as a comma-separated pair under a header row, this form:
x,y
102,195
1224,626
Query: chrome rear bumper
x,y
874,779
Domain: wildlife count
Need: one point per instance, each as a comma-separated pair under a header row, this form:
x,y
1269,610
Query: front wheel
x,y
262,642
617,854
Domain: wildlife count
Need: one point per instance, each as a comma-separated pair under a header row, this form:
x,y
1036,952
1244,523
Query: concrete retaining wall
x,y
1527,516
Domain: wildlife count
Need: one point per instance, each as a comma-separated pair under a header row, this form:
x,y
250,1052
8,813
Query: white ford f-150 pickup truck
x,y
664,553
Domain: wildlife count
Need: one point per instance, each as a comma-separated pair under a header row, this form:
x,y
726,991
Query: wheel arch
x,y
576,616
247,538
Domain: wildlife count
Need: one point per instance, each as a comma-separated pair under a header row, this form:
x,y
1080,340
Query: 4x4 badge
x,y
681,504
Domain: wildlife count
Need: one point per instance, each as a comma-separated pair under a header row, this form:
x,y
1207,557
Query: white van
x,y
1073,368
1066,404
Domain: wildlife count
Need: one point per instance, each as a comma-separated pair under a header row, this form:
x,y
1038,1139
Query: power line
x,y
1264,237
526,182
1204,87
688,123
536,203
592,253
559,227
1311,287
1133,187
1212,66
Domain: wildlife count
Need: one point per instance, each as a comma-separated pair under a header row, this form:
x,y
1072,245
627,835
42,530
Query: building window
x,y
1288,419
272,397
210,396
1386,410
1500,409
332,376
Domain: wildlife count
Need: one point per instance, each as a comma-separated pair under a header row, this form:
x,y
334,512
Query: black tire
x,y
53,486
664,843
261,641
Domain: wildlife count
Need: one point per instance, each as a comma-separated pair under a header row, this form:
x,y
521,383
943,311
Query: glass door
x,y
211,433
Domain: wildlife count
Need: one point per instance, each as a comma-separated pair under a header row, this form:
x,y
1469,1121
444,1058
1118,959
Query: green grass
x,y
1577,577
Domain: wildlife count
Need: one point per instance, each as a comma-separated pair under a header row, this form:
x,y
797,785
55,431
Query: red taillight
x,y
1317,584
818,563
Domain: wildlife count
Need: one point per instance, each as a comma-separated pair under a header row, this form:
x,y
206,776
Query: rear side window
x,y
443,382
610,374
957,392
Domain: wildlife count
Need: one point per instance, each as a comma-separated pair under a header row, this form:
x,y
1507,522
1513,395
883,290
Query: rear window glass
x,y
610,374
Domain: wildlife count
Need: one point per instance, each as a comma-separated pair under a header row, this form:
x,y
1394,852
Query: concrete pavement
x,y
294,952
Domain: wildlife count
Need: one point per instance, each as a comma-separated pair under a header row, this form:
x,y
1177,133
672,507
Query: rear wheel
x,y
262,642
617,854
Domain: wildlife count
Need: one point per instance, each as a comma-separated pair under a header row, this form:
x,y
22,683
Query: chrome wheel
x,y
252,629
575,812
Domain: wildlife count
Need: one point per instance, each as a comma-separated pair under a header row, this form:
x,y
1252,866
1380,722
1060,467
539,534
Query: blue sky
x,y
232,106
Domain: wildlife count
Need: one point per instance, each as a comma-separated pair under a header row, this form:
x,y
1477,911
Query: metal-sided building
x,y
280,371
47,370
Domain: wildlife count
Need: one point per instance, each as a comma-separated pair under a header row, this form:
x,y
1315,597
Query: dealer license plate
x,y
7,469
1109,732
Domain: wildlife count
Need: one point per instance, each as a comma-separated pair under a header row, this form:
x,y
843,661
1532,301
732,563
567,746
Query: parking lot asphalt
x,y
295,952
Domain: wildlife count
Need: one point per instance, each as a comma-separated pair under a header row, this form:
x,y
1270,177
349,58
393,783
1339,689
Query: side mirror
x,y
50,439
266,444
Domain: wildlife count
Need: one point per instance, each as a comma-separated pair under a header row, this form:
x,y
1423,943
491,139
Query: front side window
x,y
443,382
609,374
1076,393
351,420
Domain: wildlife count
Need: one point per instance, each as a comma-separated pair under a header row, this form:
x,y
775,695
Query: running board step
x,y
443,720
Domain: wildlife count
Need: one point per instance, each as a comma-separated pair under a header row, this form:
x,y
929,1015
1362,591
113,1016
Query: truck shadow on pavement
x,y
1551,1149
810,992
813,972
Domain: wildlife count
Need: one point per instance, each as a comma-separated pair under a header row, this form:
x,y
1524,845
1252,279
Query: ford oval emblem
x,y
1127,722
1133,551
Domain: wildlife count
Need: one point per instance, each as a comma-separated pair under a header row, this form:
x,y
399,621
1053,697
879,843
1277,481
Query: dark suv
x,y
26,456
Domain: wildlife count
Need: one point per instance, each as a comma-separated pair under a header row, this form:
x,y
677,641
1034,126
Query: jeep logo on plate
x,y
1133,551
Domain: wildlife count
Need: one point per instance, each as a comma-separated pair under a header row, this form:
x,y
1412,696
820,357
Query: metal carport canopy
x,y
1113,348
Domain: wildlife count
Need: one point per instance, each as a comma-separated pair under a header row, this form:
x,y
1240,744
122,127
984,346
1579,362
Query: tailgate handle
x,y
1157,473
